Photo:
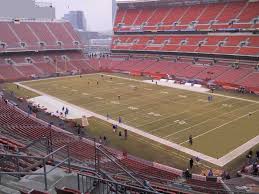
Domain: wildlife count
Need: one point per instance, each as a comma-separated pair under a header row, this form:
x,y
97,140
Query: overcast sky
x,y
98,12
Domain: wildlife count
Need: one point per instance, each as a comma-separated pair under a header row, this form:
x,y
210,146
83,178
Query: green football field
x,y
217,127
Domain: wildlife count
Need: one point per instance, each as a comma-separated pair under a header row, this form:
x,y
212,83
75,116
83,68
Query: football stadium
x,y
171,107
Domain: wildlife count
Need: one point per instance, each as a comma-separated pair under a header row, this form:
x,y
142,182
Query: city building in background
x,y
28,9
77,19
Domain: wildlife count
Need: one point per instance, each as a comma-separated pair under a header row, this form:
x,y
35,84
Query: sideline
x,y
219,162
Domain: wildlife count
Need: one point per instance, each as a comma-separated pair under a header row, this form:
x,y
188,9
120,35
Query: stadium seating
x,y
251,80
220,44
24,126
201,186
233,75
212,72
28,70
203,16
147,169
10,73
30,35
221,72
40,66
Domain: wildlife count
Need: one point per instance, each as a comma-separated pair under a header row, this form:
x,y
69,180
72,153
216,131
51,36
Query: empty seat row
x,y
220,44
221,73
19,36
202,16
17,67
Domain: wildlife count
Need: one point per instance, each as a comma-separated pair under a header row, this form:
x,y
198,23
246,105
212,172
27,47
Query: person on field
x,y
120,120
114,127
191,163
190,140
66,112
126,134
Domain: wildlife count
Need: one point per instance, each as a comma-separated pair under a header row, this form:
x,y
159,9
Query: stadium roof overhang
x,y
158,3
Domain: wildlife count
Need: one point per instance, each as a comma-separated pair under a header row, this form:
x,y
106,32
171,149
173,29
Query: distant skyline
x,y
98,12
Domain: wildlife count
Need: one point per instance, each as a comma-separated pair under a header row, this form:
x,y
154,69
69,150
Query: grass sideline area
x,y
142,147
149,149
19,92
217,127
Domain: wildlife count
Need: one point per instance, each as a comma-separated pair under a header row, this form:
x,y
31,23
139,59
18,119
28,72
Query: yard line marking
x,y
132,102
194,115
154,114
205,121
202,134
99,98
163,92
182,96
214,94
140,81
181,113
149,89
141,139
115,102
145,134
239,150
133,108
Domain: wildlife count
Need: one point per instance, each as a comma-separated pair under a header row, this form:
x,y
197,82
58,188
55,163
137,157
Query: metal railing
x,y
102,185
16,158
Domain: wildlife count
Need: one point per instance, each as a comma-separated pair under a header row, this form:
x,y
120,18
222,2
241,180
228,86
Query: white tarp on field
x,y
52,105
171,84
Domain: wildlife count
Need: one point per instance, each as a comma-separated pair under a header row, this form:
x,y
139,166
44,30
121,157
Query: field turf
x,y
217,127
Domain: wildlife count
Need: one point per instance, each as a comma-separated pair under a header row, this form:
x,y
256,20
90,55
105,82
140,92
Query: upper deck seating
x,y
182,17
36,35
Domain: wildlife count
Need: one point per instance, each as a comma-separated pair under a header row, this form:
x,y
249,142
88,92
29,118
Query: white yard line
x,y
214,94
186,119
134,130
205,121
143,81
220,162
239,150
211,130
